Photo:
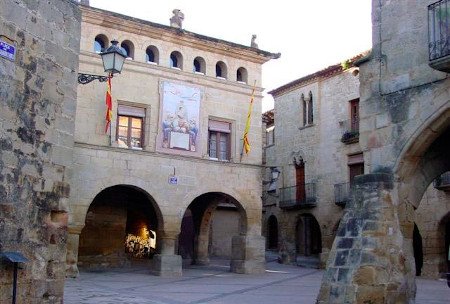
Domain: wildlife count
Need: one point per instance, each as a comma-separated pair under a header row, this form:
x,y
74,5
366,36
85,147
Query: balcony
x,y
351,131
341,194
443,182
298,197
438,35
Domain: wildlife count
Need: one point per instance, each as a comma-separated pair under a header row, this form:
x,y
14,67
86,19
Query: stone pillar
x,y
73,240
202,256
167,263
248,254
368,262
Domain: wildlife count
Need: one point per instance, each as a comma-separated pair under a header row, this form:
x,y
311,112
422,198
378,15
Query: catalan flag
x,y
247,124
108,105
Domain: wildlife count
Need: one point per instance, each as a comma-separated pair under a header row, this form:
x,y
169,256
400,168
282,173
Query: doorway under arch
x,y
208,226
418,250
122,224
308,236
272,233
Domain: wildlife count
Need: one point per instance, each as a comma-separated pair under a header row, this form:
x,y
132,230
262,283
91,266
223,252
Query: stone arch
x,y
308,235
116,212
202,209
100,43
419,163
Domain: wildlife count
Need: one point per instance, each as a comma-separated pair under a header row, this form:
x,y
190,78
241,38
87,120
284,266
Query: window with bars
x,y
130,126
219,140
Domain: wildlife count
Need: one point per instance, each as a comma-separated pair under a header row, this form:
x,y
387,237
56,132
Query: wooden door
x,y
300,182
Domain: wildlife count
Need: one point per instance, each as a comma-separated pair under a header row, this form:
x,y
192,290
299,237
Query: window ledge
x,y
199,73
175,68
306,126
221,78
152,63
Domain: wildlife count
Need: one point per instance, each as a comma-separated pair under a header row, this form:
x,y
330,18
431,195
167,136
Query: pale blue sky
x,y
310,35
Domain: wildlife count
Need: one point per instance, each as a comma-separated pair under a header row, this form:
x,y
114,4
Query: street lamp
x,y
113,59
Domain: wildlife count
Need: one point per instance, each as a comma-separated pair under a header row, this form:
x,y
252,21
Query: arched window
x,y
128,47
152,55
241,75
100,43
308,109
176,60
199,65
221,70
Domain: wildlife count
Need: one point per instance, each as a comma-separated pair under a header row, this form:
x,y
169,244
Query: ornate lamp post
x,y
113,59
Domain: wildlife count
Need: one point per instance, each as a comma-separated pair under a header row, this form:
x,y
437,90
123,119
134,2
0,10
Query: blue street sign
x,y
173,180
7,50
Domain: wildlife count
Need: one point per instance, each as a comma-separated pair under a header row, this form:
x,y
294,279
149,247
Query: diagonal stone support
x,y
368,262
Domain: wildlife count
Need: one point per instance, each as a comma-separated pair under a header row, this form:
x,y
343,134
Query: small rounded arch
x,y
128,47
176,60
221,70
242,75
152,54
100,43
199,65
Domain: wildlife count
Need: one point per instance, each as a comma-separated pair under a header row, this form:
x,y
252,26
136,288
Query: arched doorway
x,y
208,227
418,250
272,233
121,226
308,236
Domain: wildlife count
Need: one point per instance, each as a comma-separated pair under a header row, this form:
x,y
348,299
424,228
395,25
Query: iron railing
x,y
300,196
438,29
350,130
341,194
443,181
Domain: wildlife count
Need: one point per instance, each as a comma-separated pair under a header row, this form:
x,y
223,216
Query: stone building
x,y
404,135
168,175
39,47
312,140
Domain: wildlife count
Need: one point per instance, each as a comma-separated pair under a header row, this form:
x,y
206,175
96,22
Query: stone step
x,y
308,261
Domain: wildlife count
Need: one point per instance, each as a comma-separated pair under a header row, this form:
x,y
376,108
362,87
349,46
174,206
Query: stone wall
x,y
37,112
319,145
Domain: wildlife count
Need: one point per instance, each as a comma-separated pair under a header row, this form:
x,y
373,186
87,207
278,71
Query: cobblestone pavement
x,y
214,284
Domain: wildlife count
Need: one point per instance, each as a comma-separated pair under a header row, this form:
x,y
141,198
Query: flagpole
x,y
110,123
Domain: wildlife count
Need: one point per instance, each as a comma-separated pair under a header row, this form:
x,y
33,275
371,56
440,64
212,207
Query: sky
x,y
310,35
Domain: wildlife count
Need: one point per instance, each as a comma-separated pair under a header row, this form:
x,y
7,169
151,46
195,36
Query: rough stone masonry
x,y
37,109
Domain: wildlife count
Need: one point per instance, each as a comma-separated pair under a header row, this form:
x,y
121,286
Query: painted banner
x,y
179,119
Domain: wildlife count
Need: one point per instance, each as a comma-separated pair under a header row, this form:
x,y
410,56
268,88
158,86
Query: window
x,y
176,60
130,126
355,166
219,140
270,136
199,65
152,55
128,48
308,109
100,43
354,115
241,75
221,70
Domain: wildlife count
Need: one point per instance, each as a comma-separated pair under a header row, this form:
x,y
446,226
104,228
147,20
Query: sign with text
x,y
7,50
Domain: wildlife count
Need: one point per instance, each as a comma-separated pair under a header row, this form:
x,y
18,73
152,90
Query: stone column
x,y
167,263
202,256
248,254
368,262
73,240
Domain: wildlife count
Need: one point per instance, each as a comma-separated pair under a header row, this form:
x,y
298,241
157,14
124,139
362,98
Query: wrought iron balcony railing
x,y
439,35
300,196
350,131
443,182
341,194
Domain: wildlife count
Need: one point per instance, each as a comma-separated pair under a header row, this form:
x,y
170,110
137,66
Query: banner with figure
x,y
179,119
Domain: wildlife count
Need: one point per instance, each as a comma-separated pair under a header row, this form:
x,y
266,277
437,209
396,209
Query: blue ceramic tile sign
x,y
173,180
7,50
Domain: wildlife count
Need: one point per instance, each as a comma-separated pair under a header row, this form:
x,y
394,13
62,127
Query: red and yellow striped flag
x,y
108,104
247,124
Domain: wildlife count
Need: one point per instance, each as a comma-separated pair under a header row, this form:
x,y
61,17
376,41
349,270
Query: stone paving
x,y
214,284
